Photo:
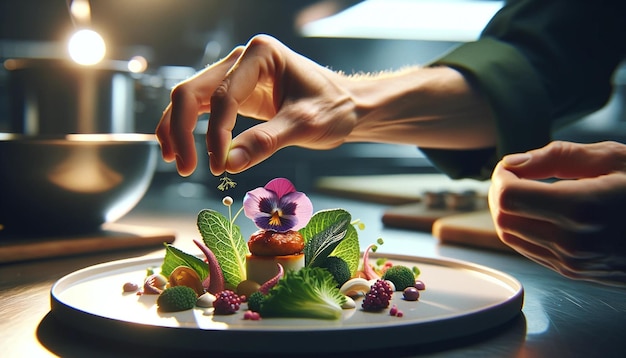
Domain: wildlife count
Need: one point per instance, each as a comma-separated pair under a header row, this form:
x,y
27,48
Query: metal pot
x,y
57,96
71,183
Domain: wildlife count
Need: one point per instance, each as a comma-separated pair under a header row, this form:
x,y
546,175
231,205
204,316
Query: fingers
x,y
183,117
568,160
587,270
249,87
189,99
256,144
548,245
255,64
528,198
582,206
568,226
162,134
571,247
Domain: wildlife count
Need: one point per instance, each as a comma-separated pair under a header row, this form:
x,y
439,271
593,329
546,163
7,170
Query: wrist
x,y
429,107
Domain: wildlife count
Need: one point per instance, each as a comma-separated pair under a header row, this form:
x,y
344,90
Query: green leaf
x,y
226,242
349,250
175,257
325,231
310,292
322,244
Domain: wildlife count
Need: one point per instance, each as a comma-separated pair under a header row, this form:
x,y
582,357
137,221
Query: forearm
x,y
432,107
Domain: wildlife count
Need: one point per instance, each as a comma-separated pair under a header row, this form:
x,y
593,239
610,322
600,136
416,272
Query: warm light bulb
x,y
137,64
86,47
81,10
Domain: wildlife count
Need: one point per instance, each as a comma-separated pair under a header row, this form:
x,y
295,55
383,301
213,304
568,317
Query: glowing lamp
x,y
86,47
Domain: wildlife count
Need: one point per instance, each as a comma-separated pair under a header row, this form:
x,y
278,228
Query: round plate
x,y
460,299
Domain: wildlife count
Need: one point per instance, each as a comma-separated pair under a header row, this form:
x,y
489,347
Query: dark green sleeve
x,y
539,63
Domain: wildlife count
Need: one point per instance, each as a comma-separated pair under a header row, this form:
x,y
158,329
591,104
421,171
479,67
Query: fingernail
x,y
237,159
514,160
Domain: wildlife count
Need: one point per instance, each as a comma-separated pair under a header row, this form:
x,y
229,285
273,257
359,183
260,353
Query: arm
x,y
539,64
302,103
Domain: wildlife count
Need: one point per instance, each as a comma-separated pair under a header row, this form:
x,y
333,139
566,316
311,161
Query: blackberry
x,y
226,302
379,296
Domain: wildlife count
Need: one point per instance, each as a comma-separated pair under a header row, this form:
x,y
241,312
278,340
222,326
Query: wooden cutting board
x,y
469,228
414,216
474,229
112,237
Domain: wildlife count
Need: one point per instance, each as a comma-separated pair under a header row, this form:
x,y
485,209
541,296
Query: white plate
x,y
460,299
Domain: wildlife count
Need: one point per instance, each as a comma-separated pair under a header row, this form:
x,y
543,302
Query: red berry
x,y
379,296
251,315
411,294
226,302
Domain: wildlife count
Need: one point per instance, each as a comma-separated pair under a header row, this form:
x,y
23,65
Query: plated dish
x,y
460,299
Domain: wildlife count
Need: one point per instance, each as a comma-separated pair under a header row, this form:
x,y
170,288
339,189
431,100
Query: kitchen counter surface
x,y
560,317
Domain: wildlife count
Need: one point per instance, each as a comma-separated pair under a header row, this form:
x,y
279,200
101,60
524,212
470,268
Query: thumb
x,y
260,142
567,160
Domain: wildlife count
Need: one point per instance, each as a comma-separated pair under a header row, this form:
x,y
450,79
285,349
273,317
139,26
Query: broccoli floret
x,y
177,298
401,276
310,292
337,267
255,300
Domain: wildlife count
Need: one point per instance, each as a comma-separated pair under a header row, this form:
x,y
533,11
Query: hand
x,y
302,103
299,101
575,226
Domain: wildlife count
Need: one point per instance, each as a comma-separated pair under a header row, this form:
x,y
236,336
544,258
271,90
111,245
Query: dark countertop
x,y
560,317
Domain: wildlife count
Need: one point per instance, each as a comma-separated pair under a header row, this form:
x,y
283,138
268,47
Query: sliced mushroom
x,y
186,276
355,287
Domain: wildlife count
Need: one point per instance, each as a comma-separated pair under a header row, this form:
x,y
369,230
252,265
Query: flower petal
x,y
252,202
280,186
303,208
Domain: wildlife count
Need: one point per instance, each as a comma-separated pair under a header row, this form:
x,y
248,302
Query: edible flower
x,y
278,206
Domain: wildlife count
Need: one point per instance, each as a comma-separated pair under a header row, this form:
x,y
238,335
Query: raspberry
x,y
379,296
226,302
251,316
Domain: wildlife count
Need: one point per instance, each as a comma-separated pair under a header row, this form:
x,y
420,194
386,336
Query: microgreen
x,y
226,183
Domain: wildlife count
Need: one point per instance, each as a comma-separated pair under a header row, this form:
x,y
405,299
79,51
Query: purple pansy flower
x,y
278,206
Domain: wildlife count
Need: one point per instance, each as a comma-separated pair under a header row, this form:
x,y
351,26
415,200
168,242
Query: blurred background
x,y
170,40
